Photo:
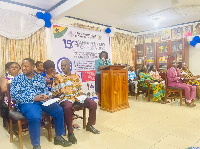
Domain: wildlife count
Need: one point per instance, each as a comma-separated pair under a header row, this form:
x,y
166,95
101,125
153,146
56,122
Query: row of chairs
x,y
16,117
170,92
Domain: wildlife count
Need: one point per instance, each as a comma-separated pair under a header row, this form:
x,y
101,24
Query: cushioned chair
x,y
172,92
17,117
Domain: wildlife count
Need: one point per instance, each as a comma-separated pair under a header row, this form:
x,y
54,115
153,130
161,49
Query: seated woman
x,y
49,73
6,72
39,67
190,79
158,88
155,75
13,71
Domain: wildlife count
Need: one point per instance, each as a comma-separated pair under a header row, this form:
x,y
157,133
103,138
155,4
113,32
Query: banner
x,y
82,48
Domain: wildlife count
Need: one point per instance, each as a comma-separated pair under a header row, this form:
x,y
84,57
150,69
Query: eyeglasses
x,y
65,65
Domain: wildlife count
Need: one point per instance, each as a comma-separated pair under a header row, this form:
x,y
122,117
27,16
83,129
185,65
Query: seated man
x,y
132,81
67,86
175,80
190,78
29,90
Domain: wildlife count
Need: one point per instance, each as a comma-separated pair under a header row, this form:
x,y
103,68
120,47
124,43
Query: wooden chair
x,y
4,109
83,117
147,89
171,92
17,117
75,116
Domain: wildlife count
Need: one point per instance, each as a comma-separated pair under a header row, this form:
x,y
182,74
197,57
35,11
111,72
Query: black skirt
x,y
98,83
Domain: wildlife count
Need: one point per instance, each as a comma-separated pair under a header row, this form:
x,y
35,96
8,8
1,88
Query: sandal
x,y
163,102
190,104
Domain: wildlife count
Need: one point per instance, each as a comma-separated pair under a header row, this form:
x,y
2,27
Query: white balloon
x,y
190,38
113,29
104,30
111,34
40,22
197,45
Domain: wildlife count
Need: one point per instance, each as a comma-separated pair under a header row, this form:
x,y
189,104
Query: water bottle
x,y
176,101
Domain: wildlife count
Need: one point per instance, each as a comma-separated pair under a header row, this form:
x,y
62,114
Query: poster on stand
x,y
82,48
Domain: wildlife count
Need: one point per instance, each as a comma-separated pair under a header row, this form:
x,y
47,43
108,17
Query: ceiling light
x,y
156,21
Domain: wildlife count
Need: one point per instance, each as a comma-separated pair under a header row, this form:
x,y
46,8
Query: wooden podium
x,y
114,88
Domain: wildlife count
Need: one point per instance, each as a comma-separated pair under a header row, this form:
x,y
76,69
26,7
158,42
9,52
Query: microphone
x,y
104,60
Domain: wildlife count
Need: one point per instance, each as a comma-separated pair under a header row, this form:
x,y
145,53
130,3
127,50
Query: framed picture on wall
x,y
166,35
147,38
176,33
187,31
140,39
196,28
157,37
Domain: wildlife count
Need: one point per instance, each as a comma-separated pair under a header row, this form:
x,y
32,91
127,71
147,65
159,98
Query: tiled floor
x,y
145,125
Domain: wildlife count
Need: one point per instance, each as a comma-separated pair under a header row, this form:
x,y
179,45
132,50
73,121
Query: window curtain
x,y
15,50
123,49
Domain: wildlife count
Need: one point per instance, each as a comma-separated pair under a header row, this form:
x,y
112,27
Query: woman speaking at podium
x,y
100,64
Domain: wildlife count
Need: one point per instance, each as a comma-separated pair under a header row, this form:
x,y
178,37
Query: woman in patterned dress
x,y
157,87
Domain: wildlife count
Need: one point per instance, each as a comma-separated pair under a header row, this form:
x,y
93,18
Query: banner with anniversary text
x,y
82,48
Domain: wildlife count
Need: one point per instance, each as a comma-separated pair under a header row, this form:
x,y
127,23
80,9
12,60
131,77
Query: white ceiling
x,y
44,4
132,15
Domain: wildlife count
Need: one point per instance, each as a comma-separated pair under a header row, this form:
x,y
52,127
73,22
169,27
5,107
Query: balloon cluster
x,y
110,31
195,41
44,19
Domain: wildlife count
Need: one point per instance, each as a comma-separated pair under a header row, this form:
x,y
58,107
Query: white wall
x,y
70,21
194,60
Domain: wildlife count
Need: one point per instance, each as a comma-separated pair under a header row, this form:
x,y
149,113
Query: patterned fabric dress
x,y
158,88
49,81
23,89
192,82
66,87
9,78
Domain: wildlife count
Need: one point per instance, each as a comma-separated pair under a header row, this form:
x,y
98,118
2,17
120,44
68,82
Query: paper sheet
x,y
81,98
50,101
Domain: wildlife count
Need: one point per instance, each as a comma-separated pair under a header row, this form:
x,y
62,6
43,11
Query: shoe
x,y
72,138
92,129
190,104
62,142
37,147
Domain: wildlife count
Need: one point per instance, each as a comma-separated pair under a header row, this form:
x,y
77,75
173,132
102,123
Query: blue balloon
x,y
193,43
196,38
47,24
108,30
47,17
39,15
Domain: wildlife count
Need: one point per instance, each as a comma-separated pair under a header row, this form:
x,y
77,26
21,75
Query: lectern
x,y
114,88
